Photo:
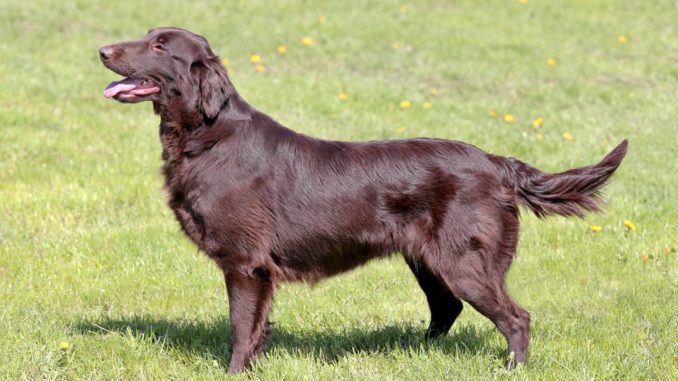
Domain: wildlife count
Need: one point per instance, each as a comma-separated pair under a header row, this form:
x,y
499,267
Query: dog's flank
x,y
269,205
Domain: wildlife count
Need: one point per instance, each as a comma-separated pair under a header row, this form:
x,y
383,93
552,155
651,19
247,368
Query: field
x,y
97,282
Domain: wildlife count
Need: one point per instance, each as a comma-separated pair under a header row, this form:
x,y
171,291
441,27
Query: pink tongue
x,y
118,87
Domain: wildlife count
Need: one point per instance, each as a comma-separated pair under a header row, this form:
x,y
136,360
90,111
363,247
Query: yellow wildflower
x,y
322,19
64,346
308,41
596,228
405,104
508,118
645,257
282,49
334,116
622,39
551,62
400,130
260,68
225,61
630,225
404,9
523,1
492,114
434,92
255,58
343,97
568,136
538,122
539,136
427,105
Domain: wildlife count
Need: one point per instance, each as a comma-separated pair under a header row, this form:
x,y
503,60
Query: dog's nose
x,y
105,53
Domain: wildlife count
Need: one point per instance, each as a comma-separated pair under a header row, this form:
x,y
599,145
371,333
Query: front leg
x,y
250,296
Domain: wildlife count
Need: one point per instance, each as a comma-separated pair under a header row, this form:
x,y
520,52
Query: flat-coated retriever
x,y
268,204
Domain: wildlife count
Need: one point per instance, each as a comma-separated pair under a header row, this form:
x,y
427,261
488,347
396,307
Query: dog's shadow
x,y
213,338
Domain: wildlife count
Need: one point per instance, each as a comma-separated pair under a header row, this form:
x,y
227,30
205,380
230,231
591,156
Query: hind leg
x,y
478,281
444,305
510,319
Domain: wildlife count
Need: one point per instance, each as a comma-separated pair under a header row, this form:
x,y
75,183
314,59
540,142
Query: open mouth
x,y
130,89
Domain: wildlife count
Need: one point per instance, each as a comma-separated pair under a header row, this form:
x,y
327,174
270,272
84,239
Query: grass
x,y
91,256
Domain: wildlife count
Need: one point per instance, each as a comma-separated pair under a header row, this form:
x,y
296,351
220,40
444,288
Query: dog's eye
x,y
158,47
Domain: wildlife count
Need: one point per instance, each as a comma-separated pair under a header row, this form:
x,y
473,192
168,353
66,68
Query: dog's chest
x,y
183,205
183,188
202,200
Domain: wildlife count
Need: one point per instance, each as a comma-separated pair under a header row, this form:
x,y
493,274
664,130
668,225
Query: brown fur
x,y
270,205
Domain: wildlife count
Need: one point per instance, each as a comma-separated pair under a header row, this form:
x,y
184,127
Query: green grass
x,y
90,254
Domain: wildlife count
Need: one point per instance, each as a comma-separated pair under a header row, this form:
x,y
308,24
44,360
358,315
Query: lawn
x,y
97,282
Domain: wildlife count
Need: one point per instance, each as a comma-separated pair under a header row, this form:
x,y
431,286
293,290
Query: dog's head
x,y
167,66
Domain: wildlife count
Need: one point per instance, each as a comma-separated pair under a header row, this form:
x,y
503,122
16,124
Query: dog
x,y
270,205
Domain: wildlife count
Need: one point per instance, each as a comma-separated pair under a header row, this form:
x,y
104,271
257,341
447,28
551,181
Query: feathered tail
x,y
569,193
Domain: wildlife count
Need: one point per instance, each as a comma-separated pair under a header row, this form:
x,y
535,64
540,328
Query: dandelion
x,y
322,19
282,49
64,346
508,118
596,228
426,105
645,257
225,61
405,104
630,225
551,62
308,41
404,9
539,137
492,114
568,136
538,122
343,97
433,92
255,58
523,1
400,130
260,68
622,39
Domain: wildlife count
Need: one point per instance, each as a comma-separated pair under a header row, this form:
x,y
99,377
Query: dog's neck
x,y
184,115
186,132
176,113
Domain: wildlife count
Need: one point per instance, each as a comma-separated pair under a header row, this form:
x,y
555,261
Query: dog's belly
x,y
310,260
316,259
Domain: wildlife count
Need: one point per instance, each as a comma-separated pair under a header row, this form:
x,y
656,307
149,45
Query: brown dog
x,y
271,205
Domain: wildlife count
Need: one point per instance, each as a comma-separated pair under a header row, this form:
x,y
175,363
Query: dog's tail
x,y
569,193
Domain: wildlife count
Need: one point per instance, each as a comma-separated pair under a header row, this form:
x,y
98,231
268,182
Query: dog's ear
x,y
214,88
